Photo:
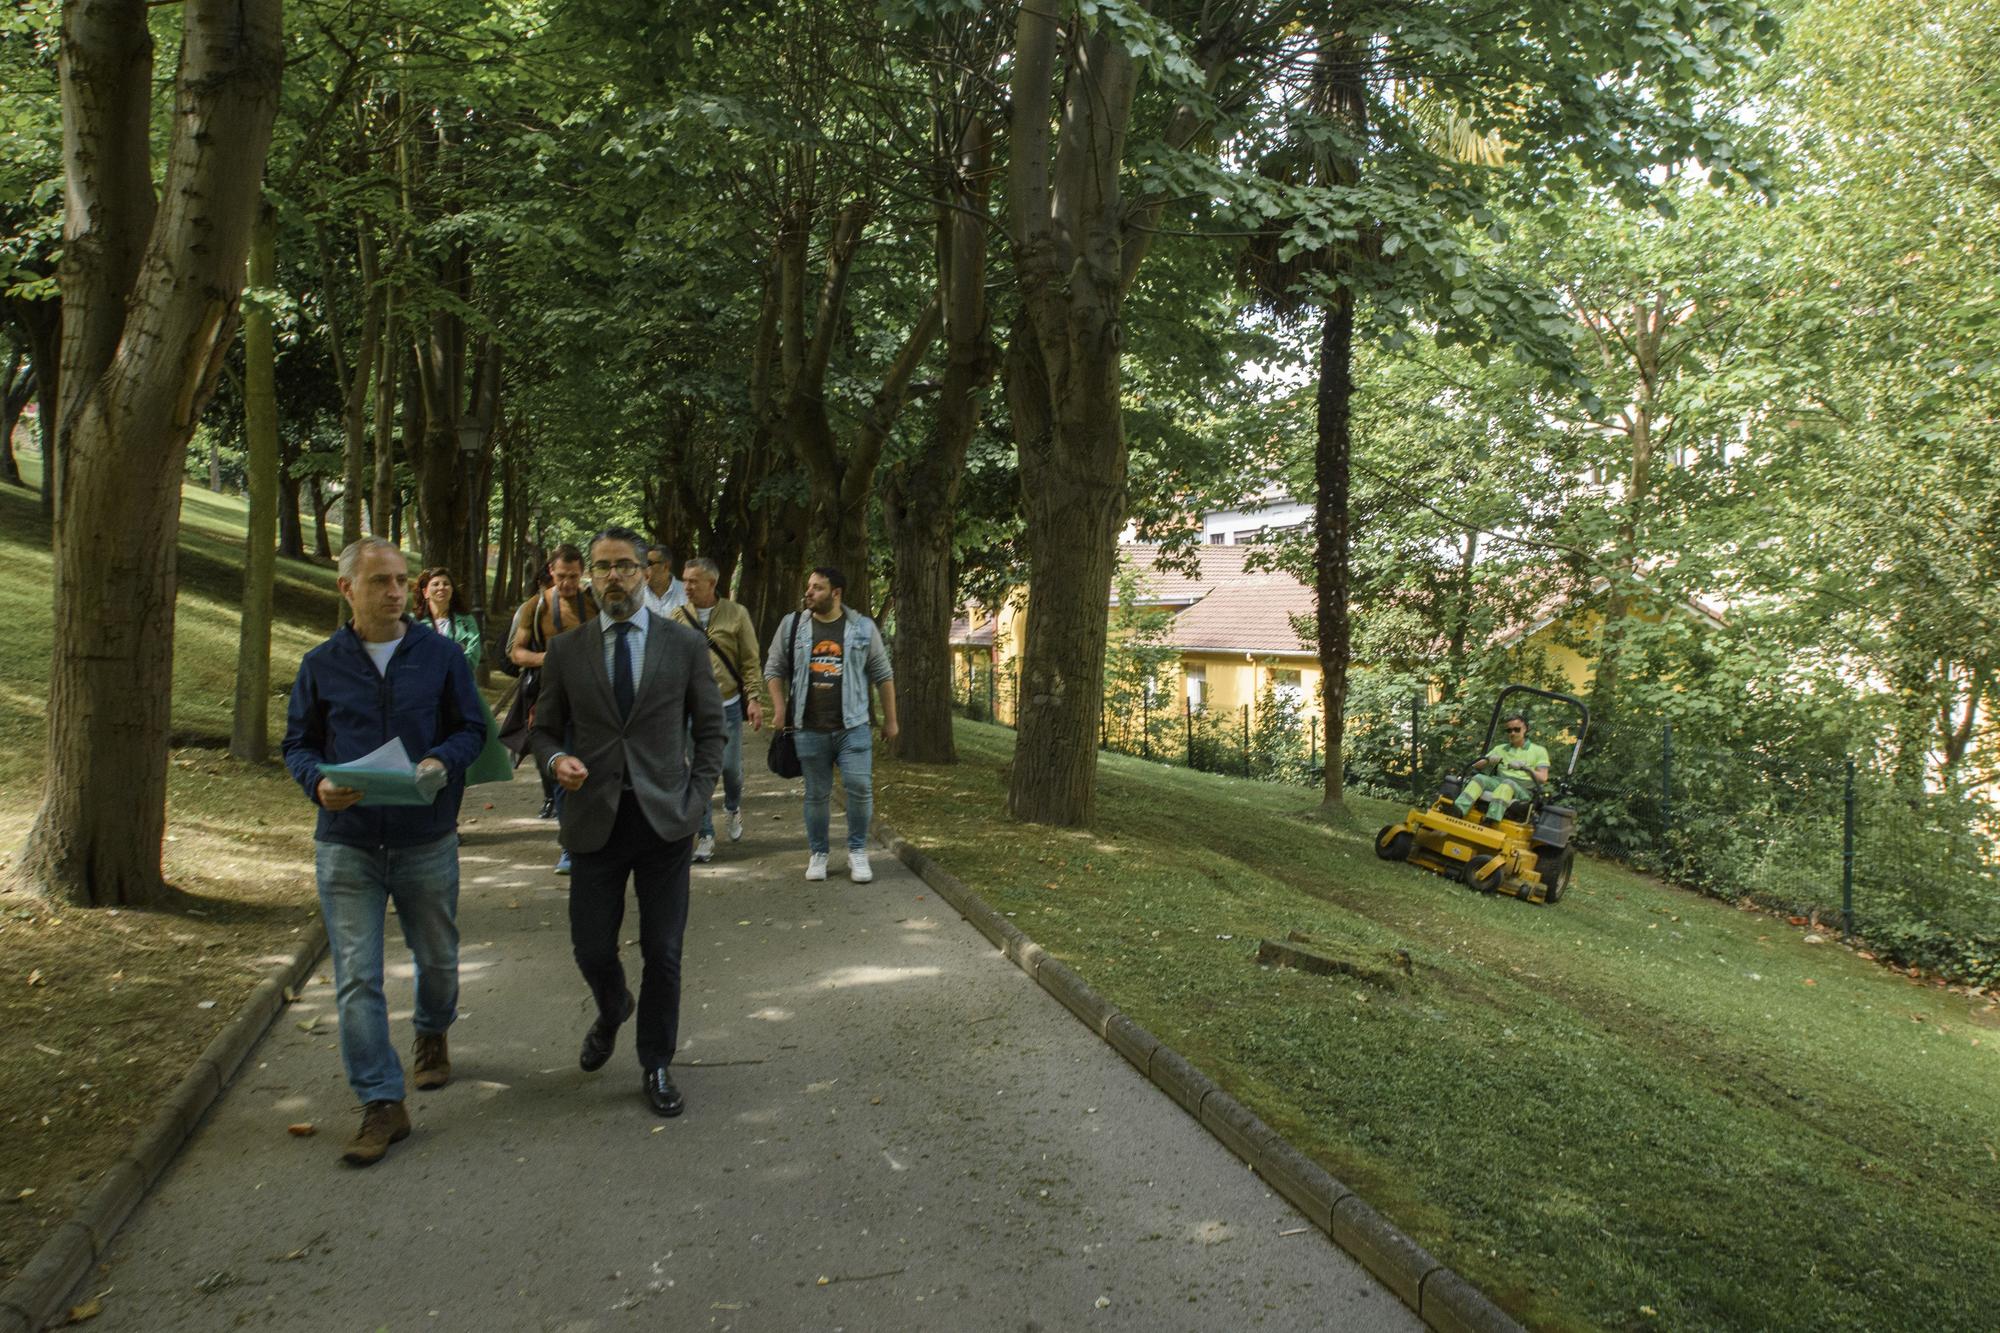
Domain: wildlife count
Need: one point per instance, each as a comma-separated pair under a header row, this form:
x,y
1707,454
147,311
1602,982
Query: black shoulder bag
x,y
783,756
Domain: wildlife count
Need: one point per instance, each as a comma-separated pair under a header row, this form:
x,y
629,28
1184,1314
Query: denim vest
x,y
864,661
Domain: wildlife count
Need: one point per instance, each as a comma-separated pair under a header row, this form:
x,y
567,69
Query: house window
x,y
1244,538
1218,538
1289,686
1197,687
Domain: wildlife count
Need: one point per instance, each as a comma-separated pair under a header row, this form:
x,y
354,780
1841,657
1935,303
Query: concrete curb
x,y
1440,1297
34,1299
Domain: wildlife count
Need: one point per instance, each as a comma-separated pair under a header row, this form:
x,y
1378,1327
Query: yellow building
x,y
1233,633
1558,627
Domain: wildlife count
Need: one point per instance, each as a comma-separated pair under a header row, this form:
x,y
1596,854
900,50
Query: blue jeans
x,y
853,750
356,885
732,766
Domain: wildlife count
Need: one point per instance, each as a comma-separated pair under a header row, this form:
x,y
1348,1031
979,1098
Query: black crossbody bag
x,y
783,756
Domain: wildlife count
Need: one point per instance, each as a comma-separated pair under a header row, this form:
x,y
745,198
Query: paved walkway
x,y
889,1127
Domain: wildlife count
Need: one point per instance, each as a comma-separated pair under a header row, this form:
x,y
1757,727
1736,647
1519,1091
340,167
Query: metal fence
x,y
1837,842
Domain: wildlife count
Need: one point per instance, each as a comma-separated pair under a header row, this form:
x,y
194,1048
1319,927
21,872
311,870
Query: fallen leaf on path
x,y
310,1024
205,1004
35,977
303,1130
90,1309
294,1255
48,1050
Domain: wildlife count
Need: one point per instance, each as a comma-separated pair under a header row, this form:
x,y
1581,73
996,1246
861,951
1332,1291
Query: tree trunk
x,y
354,402
1648,330
920,509
249,734
149,310
1460,614
317,497
774,563
1073,496
42,321
1073,261
17,386
291,531
388,359
502,601
920,498
1330,474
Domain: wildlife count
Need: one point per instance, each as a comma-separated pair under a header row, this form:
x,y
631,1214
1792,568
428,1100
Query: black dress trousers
x,y
658,870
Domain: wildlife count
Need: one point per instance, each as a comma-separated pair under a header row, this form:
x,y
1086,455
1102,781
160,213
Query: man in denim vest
x,y
827,656
382,678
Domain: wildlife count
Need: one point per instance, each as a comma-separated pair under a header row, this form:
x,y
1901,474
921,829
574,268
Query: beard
x,y
620,604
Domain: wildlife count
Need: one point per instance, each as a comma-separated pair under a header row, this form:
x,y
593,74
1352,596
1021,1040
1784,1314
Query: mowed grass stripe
x,y
1635,1108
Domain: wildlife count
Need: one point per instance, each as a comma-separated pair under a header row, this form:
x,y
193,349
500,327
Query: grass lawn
x,y
1634,1109
102,1012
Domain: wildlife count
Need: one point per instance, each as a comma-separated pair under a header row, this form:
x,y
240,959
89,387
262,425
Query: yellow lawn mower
x,y
1525,851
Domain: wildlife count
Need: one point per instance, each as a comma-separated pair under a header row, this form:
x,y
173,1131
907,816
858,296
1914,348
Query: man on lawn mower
x,y
1520,767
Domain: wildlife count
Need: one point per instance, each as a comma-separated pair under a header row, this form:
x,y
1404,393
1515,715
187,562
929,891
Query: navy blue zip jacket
x,y
342,708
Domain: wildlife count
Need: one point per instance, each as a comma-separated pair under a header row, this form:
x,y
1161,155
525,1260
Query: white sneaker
x,y
858,869
736,826
704,847
816,867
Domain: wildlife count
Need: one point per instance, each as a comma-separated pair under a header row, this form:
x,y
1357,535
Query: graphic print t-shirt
x,y
824,667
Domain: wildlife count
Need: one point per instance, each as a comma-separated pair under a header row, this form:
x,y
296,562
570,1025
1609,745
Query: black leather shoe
x,y
662,1095
598,1042
548,809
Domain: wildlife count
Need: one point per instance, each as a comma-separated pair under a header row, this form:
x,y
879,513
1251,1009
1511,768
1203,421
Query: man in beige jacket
x,y
732,650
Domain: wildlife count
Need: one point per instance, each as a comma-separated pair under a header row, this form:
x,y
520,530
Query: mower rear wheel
x,y
1486,883
1396,848
1556,881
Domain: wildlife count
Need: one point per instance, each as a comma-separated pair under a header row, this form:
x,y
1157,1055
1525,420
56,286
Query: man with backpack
x,y
732,649
563,606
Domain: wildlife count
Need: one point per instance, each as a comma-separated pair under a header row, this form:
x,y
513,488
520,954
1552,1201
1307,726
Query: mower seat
x,y
1518,812
1450,788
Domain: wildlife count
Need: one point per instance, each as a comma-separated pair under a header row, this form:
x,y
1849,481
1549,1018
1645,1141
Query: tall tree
x,y
1078,241
249,737
149,296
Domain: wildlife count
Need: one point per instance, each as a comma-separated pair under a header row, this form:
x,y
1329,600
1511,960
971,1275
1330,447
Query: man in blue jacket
x,y
827,655
383,677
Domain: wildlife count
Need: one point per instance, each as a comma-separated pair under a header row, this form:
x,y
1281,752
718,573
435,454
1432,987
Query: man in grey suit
x,y
628,688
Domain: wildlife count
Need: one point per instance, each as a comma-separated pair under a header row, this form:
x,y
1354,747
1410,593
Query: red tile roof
x,y
1229,608
964,636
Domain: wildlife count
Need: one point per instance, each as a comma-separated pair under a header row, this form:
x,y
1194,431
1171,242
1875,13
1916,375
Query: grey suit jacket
x,y
577,715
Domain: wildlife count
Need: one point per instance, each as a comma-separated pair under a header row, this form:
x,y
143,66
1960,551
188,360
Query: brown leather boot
x,y
432,1060
382,1123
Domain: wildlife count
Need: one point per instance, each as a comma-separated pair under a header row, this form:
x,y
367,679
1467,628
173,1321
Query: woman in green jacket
x,y
444,612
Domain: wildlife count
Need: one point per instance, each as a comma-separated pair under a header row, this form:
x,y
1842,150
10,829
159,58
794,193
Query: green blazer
x,y
464,632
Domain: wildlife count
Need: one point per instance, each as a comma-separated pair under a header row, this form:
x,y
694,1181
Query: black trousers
x,y
658,870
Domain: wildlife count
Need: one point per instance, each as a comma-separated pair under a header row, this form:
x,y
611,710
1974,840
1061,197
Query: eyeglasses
x,y
622,568
1517,728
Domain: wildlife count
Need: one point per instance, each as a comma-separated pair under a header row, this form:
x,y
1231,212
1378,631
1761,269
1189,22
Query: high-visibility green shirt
x,y
1518,761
